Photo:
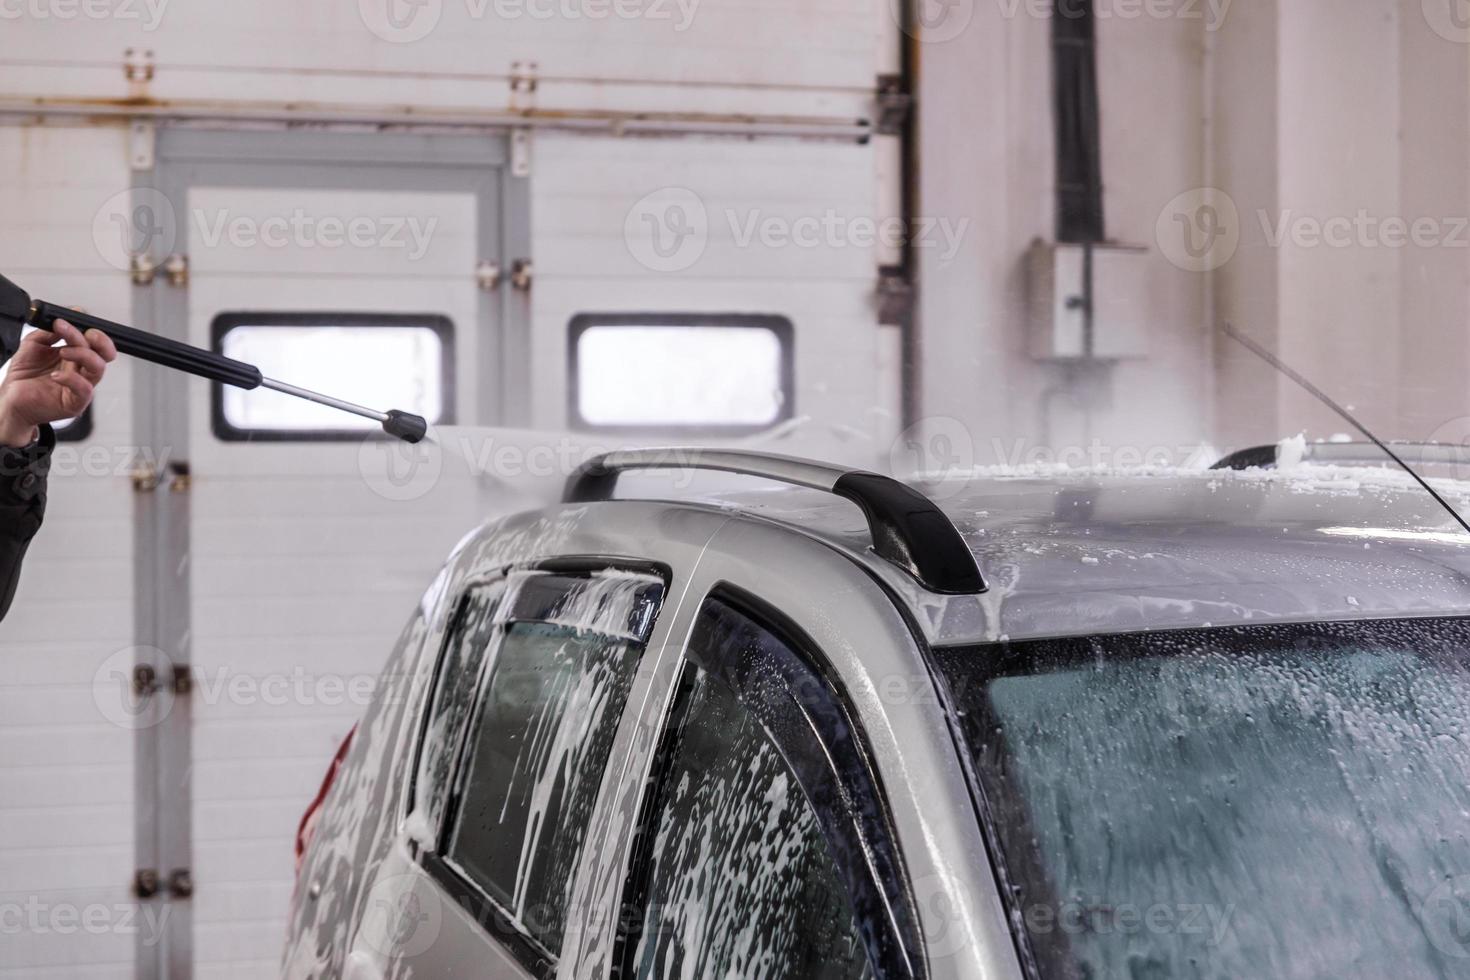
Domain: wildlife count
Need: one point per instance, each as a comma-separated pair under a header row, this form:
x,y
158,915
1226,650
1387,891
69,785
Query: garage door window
x,y
563,653
681,373
374,360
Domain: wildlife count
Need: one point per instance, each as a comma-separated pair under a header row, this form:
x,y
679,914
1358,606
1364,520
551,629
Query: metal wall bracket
x,y
520,152
142,144
138,69
138,65
521,274
145,681
896,297
146,883
176,267
181,883
146,478
487,276
523,84
894,104
142,269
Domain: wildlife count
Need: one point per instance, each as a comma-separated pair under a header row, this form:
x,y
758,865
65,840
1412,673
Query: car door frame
x,y
624,534
832,600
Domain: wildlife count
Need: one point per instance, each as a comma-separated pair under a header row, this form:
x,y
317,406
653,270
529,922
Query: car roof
x,y
1070,552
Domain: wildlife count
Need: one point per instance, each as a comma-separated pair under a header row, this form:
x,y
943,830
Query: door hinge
x,y
895,297
145,681
145,883
181,883
894,105
142,269
148,883
487,275
521,274
146,478
176,267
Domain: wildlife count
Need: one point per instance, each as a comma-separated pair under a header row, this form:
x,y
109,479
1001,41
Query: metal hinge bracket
x,y
487,275
181,883
138,65
142,144
145,681
894,105
146,883
521,274
520,152
522,84
895,297
142,269
176,267
138,69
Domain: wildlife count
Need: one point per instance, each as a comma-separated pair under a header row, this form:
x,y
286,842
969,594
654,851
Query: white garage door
x,y
307,550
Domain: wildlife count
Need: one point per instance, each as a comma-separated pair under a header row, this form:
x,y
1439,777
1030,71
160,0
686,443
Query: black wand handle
x,y
151,347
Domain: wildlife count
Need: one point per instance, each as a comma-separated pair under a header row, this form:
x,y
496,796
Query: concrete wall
x,y
988,156
1296,142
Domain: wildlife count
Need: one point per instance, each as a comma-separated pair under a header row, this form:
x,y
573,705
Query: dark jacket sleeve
x,y
22,506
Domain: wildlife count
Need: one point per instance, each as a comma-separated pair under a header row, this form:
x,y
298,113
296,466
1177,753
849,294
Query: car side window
x,y
470,635
559,654
763,848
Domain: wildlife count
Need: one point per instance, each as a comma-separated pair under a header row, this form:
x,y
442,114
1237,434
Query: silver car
x,y
1063,725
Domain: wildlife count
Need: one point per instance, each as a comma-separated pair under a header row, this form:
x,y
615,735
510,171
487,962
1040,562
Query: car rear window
x,y
1282,801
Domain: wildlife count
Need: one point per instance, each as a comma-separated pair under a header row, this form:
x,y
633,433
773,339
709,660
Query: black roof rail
x,y
908,529
1351,453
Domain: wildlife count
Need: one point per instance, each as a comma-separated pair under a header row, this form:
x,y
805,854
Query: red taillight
x,y
307,827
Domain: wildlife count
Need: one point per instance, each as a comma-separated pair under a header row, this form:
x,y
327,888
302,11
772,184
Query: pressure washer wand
x,y
17,309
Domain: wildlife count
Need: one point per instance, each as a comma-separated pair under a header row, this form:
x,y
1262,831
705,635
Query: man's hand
x,y
49,384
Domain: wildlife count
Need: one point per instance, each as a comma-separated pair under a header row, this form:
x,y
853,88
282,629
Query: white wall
x,y
1294,112
986,126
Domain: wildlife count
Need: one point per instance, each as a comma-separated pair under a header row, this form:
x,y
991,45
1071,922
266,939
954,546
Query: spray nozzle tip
x,y
409,428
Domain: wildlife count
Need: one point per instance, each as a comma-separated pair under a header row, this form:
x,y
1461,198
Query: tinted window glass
x,y
741,881
469,638
564,655
1282,801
